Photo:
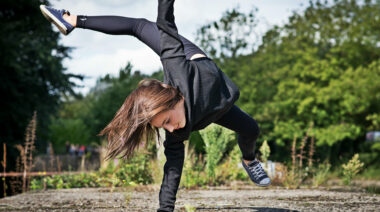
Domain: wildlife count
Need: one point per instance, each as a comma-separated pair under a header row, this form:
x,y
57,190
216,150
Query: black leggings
x,y
144,30
246,128
147,31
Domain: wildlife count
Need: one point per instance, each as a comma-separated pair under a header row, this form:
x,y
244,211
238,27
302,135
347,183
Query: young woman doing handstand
x,y
194,94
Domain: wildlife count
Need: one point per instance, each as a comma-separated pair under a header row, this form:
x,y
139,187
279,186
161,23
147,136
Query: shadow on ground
x,y
256,209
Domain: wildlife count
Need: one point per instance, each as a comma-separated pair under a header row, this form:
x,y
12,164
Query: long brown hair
x,y
132,121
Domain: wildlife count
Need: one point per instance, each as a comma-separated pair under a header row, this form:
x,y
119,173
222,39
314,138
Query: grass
x,y
373,189
371,173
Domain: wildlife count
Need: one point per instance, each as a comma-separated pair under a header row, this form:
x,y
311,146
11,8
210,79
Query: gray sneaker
x,y
56,17
257,173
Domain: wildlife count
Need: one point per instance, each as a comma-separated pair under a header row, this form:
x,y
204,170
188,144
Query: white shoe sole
x,y
263,185
50,17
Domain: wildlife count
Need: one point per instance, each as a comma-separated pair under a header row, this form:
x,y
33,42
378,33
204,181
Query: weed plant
x,y
297,173
321,174
265,151
193,172
230,169
351,169
216,139
135,171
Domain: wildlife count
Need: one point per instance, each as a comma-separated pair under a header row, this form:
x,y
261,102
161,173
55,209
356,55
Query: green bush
x,y
71,181
230,170
125,173
136,170
351,169
216,139
193,172
36,184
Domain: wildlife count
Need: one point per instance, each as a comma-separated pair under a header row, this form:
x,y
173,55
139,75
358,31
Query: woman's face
x,y
171,120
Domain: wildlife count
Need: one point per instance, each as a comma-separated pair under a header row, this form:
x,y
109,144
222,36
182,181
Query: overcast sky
x,y
97,54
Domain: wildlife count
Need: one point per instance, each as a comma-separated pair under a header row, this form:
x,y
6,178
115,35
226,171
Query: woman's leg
x,y
246,128
144,30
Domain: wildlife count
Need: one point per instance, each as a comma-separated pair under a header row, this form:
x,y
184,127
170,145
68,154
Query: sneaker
x,y
56,17
257,173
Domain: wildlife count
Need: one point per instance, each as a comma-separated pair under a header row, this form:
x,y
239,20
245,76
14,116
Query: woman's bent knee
x,y
252,132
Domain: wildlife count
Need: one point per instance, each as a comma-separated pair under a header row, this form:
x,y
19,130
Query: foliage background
x,y
320,68
32,77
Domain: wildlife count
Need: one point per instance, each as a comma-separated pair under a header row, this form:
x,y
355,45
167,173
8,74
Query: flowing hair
x,y
131,123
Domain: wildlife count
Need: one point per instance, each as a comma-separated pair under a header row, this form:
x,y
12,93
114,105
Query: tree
x,y
32,77
322,67
328,73
229,36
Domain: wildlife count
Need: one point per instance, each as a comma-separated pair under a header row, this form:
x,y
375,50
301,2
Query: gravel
x,y
145,198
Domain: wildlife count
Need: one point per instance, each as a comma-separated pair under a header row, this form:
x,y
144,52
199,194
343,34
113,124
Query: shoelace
x,y
257,170
63,10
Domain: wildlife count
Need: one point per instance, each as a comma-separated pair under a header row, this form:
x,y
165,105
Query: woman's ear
x,y
164,85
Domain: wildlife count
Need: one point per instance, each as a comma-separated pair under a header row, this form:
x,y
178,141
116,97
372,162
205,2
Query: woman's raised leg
x,y
144,30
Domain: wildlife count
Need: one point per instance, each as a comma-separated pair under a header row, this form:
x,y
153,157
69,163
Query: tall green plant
x,y
193,170
265,151
351,169
230,170
321,174
216,139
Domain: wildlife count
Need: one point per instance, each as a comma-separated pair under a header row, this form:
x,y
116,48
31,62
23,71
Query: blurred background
x,y
308,72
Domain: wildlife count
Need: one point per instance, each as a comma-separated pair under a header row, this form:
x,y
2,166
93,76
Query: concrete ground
x,y
145,198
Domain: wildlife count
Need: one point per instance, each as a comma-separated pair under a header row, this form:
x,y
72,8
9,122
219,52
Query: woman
x,y
195,93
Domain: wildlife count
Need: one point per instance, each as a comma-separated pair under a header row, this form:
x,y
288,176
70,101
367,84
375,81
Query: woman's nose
x,y
169,128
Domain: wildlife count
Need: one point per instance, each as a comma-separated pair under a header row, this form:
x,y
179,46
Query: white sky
x,y
98,54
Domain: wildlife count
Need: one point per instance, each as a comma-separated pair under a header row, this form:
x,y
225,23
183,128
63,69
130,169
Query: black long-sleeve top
x,y
208,94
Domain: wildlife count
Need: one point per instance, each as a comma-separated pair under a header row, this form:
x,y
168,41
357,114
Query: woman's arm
x,y
174,152
171,45
176,68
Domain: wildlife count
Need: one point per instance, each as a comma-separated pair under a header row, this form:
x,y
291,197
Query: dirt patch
x,y
145,198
